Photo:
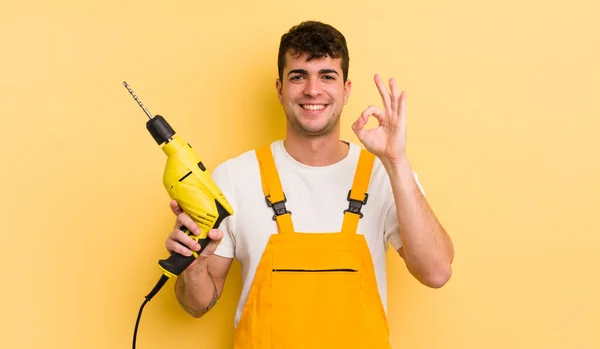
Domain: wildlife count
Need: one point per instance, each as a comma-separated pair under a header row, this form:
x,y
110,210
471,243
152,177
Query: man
x,y
314,214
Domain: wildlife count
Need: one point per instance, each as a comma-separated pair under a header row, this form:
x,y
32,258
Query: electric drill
x,y
189,183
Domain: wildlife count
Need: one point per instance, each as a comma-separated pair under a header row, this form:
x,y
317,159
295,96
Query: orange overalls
x,y
314,291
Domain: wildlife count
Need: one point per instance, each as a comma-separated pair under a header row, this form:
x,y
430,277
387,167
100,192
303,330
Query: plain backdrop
x,y
503,127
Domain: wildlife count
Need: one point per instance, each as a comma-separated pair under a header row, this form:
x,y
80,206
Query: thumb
x,y
215,236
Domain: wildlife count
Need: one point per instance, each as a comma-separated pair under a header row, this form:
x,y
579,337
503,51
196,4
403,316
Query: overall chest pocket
x,y
316,306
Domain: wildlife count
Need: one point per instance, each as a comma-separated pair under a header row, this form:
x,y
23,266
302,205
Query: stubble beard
x,y
326,129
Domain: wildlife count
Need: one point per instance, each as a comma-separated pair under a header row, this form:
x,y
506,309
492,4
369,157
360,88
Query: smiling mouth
x,y
313,106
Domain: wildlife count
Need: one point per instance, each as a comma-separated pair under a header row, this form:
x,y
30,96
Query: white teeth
x,y
313,106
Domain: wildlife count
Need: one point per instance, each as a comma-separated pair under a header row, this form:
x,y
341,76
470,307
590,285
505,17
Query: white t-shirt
x,y
317,198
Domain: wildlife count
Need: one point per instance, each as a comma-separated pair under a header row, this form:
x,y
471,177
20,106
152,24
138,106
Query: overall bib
x,y
314,290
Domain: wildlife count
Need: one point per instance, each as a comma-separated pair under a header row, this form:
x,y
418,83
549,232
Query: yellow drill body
x,y
189,183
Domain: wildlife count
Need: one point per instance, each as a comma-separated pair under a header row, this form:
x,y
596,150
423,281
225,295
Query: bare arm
x,y
199,287
426,247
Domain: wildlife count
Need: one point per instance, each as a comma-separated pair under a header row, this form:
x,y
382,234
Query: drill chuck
x,y
160,129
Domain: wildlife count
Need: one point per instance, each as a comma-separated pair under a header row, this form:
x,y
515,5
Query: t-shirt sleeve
x,y
391,231
222,179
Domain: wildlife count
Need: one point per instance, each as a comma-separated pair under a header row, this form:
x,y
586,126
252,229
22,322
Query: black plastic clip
x,y
278,207
356,205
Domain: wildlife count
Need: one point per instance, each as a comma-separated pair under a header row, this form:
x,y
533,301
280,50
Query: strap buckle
x,y
278,207
356,205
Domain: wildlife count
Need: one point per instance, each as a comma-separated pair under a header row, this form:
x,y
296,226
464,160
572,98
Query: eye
x,y
296,77
328,77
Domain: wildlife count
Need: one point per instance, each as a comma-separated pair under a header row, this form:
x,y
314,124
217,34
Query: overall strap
x,y
272,188
358,196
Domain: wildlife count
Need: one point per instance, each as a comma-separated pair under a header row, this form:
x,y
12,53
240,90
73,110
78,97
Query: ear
x,y
278,86
347,88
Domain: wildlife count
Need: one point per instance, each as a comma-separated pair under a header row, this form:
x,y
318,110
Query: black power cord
x,y
161,282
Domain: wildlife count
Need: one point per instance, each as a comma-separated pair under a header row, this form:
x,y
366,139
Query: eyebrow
x,y
305,72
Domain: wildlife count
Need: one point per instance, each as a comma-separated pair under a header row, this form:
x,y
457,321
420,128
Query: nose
x,y
312,88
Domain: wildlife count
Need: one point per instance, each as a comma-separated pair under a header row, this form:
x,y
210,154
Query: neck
x,y
315,151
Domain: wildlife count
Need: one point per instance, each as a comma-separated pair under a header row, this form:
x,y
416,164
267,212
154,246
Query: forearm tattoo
x,y
198,313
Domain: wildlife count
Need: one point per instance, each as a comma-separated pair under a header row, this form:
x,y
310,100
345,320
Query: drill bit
x,y
137,100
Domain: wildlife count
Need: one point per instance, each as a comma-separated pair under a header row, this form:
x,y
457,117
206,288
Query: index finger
x,y
175,207
385,95
188,223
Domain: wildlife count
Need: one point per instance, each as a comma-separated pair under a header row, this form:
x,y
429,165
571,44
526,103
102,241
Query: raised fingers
x,y
395,96
385,95
402,111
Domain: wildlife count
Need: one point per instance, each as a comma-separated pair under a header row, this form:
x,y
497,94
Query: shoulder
x,y
354,150
239,165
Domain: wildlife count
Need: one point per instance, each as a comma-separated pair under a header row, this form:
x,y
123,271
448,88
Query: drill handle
x,y
177,263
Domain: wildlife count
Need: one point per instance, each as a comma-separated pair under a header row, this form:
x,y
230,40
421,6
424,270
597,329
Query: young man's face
x,y
313,93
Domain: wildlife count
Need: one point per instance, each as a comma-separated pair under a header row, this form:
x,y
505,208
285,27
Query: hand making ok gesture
x,y
388,140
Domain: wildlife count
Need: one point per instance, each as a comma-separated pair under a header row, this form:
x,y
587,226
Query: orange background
x,y
503,131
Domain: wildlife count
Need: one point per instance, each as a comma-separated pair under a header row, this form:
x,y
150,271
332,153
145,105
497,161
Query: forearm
x,y
426,247
196,291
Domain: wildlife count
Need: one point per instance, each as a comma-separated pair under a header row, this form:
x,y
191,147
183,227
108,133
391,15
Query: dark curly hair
x,y
316,40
